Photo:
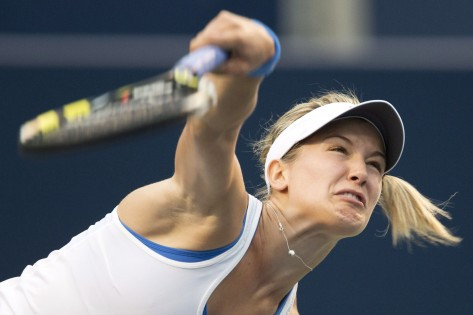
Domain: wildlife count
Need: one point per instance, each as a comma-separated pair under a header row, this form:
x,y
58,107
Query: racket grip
x,y
203,60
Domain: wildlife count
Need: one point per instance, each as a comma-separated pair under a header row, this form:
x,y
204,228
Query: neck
x,y
309,248
290,251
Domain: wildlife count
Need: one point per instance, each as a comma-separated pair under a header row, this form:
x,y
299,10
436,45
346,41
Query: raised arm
x,y
206,196
207,170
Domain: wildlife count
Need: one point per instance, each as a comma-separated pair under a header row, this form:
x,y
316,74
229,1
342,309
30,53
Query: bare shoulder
x,y
151,208
163,213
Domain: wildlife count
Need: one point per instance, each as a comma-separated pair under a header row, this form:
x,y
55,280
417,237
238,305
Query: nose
x,y
358,172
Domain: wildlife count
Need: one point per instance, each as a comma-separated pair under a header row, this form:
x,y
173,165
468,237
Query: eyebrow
x,y
375,153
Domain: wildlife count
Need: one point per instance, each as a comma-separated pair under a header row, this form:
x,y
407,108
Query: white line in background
x,y
123,51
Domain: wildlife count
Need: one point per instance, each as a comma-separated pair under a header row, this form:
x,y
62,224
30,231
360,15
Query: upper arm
x,y
206,168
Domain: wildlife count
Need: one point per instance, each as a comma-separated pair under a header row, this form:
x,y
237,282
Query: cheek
x,y
312,174
375,193
313,182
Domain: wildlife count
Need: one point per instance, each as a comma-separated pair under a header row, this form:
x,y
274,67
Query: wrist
x,y
267,67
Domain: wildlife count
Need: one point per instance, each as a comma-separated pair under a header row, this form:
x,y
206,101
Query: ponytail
x,y
413,217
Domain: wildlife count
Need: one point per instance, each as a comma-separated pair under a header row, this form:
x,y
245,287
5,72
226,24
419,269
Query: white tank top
x,y
107,270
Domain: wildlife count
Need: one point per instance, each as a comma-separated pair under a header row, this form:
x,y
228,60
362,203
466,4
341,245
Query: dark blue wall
x,y
44,202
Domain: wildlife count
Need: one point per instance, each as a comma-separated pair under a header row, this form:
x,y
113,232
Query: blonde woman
x,y
198,243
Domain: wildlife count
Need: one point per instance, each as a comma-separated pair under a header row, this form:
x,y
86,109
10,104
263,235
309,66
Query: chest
x,y
243,291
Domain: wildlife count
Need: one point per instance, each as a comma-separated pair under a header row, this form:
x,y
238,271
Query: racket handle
x,y
208,58
203,60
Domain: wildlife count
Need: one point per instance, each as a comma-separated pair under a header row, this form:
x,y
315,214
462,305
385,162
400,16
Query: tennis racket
x,y
172,95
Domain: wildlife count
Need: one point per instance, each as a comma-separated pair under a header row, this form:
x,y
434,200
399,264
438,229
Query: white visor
x,y
380,114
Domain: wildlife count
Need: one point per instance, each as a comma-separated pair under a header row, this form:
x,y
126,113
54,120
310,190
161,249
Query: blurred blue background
x,y
417,55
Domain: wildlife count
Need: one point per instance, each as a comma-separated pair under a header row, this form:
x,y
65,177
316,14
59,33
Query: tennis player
x,y
198,243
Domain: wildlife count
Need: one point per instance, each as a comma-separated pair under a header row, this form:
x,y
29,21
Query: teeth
x,y
352,196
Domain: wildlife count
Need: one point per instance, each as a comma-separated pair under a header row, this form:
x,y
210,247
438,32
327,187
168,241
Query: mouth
x,y
353,196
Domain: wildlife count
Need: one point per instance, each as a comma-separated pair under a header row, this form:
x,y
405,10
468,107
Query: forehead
x,y
355,129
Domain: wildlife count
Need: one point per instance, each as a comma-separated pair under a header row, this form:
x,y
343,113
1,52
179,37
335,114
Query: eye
x,y
339,149
376,165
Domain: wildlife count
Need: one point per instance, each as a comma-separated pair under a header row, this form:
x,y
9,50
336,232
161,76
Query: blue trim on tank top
x,y
184,255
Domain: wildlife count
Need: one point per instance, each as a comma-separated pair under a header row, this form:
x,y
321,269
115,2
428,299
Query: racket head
x,y
127,110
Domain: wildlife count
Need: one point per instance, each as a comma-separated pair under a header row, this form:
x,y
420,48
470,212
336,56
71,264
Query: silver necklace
x,y
290,251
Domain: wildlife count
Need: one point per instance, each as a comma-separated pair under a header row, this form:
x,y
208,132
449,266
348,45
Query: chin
x,y
350,223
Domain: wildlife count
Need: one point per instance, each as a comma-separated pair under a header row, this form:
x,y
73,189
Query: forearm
x,y
236,100
251,46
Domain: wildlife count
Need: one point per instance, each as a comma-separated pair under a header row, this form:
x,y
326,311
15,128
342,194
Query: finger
x,y
221,31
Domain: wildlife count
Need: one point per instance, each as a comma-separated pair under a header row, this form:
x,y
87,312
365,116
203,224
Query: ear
x,y
278,175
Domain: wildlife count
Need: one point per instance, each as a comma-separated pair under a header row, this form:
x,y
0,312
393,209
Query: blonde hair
x,y
412,216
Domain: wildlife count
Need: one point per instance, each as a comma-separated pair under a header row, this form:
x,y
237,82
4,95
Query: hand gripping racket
x,y
175,94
